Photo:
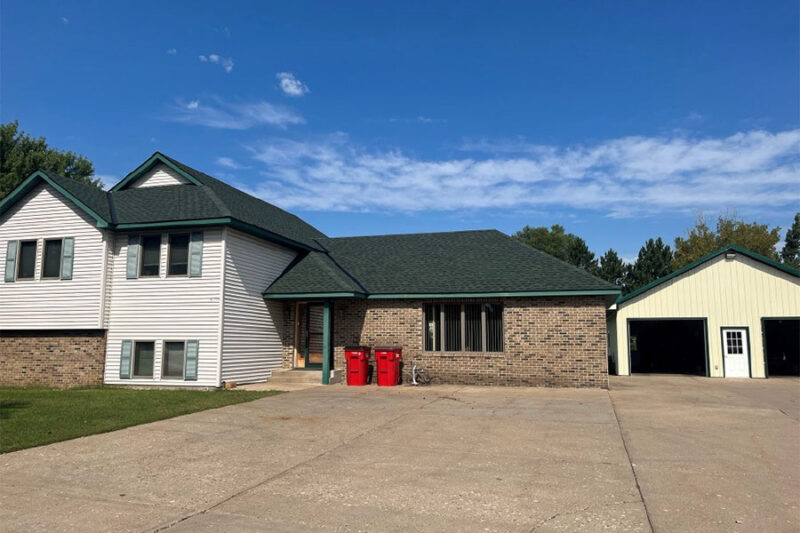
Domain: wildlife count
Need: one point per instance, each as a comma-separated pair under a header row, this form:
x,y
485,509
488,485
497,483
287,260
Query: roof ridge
x,y
344,270
416,233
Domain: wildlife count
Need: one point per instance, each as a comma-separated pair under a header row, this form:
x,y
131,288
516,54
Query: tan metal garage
x,y
713,317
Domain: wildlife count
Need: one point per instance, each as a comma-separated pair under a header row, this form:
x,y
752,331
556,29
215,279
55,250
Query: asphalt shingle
x,y
434,263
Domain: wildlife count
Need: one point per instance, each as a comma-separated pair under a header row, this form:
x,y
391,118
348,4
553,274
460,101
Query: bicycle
x,y
419,376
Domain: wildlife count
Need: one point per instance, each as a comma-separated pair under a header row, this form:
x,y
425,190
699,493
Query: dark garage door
x,y
668,346
782,345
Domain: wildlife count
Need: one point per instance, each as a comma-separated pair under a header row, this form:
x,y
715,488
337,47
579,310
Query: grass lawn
x,y
32,416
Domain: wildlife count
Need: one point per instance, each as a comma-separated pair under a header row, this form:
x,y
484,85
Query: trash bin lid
x,y
388,348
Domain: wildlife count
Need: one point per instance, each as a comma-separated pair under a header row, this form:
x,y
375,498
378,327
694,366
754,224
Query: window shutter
x,y
192,349
196,255
133,257
125,360
67,253
11,261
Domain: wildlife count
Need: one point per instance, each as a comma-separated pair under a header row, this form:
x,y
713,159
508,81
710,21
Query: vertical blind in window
x,y
470,327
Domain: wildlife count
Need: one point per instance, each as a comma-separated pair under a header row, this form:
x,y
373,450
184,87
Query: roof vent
x,y
730,255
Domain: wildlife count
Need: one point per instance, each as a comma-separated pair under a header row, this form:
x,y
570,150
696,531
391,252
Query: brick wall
x,y
52,358
549,341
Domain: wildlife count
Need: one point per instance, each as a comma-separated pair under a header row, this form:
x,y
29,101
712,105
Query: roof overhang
x,y
32,181
316,296
610,294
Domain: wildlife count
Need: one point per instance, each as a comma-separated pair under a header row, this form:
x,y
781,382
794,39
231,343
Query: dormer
x,y
157,171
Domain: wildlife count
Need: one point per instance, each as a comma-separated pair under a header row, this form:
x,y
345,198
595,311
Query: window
x,y
52,258
26,262
174,356
151,255
734,341
144,353
468,327
178,264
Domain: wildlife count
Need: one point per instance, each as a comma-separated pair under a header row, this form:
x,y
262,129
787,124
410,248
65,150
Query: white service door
x,y
734,349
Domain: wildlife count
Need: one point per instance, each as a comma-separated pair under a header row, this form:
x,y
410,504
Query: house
x,y
175,278
732,313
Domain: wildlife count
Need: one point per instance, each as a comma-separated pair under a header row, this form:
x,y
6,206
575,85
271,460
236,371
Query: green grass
x,y
33,416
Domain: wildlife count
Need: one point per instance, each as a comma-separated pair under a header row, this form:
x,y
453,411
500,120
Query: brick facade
x,y
548,341
52,358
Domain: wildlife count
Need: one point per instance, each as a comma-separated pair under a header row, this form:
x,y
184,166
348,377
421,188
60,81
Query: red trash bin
x,y
388,362
357,358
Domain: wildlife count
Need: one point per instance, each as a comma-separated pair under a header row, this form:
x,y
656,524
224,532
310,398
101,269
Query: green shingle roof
x,y
205,199
455,263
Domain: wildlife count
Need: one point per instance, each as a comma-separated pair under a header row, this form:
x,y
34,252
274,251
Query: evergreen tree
x,y
791,247
612,268
578,254
654,261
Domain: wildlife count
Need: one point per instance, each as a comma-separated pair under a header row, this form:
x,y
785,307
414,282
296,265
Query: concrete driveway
x,y
656,453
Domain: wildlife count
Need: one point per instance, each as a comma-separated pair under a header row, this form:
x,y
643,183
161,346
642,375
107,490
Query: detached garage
x,y
733,313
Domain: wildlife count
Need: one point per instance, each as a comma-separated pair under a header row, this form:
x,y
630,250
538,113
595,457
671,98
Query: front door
x,y
735,350
310,333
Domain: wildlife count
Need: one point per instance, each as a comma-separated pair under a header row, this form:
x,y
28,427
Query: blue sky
x,y
621,121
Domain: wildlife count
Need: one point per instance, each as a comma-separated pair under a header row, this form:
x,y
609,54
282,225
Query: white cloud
x,y
232,115
290,85
172,51
228,162
64,20
629,176
224,62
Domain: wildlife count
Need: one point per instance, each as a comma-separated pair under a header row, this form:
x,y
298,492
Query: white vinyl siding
x,y
166,308
53,303
728,293
251,339
159,176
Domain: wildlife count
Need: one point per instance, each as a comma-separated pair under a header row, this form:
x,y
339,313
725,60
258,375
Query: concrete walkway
x,y
696,455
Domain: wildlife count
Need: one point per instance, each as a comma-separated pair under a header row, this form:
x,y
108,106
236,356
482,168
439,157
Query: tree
x,y
556,242
612,268
654,261
791,246
578,254
21,155
553,241
702,240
